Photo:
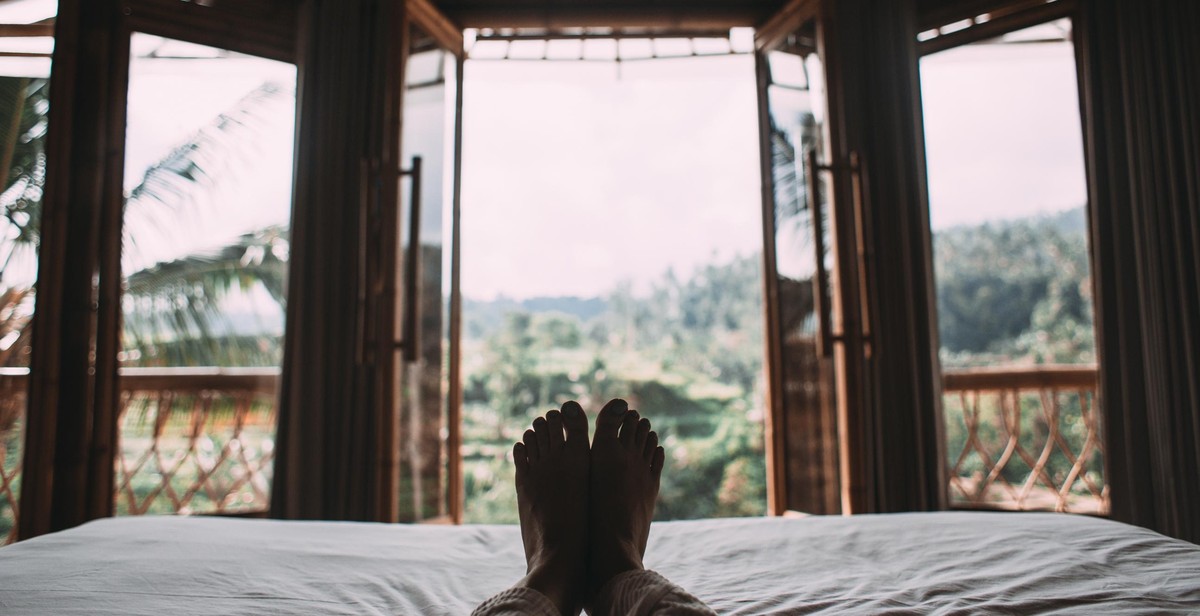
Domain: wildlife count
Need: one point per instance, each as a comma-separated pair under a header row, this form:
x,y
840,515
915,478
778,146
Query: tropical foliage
x,y
177,312
688,353
1015,292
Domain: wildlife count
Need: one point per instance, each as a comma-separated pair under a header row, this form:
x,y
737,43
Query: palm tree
x,y
173,310
23,107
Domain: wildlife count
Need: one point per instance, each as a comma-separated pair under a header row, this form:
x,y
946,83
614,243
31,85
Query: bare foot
x,y
552,498
626,466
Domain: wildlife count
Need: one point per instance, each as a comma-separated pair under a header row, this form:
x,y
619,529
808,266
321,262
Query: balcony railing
x,y
1025,438
191,441
196,440
12,438
202,440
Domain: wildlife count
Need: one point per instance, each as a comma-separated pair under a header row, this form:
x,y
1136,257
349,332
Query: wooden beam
x,y
264,29
454,377
26,30
448,34
68,456
774,426
1018,377
936,13
1011,21
787,20
606,35
667,14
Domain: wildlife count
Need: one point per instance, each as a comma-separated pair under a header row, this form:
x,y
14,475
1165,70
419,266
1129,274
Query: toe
x,y
656,463
650,447
576,423
554,425
521,459
639,437
542,432
629,428
609,420
531,447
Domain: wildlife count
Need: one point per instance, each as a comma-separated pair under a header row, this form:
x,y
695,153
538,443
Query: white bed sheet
x,y
944,563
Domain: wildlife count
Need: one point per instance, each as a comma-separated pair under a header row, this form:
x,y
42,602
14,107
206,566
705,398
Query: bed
x,y
948,563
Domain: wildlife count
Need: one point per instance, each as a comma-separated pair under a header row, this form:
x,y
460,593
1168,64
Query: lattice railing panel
x,y
1026,439
196,441
13,384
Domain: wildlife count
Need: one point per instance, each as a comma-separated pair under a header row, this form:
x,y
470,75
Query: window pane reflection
x,y
208,181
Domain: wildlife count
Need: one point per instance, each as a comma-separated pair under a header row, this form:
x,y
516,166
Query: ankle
x,y
608,564
560,582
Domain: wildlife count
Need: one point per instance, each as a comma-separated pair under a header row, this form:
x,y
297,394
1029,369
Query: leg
x,y
552,496
627,464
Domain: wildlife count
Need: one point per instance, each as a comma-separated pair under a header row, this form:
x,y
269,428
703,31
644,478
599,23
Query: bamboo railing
x,y
191,441
202,440
1025,438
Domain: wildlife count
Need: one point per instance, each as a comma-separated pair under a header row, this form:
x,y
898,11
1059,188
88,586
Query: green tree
x,y
1015,291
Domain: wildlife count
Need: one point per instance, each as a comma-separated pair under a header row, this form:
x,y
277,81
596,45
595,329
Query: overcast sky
x,y
580,174
1003,137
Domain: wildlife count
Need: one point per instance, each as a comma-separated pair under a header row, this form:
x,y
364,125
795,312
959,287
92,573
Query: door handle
x,y
821,300
864,252
409,341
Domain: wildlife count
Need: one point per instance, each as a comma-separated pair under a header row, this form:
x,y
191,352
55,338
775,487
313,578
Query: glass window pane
x,y
787,69
611,248
429,107
24,104
208,183
798,134
24,116
1008,209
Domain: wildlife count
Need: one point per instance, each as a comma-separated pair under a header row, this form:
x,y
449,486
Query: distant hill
x,y
1015,289
980,267
486,316
1068,222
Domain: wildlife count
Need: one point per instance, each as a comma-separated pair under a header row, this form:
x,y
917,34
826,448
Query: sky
x,y
578,175
1003,137
169,102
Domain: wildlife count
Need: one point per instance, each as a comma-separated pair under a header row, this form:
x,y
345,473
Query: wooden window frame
x,y
1006,17
71,442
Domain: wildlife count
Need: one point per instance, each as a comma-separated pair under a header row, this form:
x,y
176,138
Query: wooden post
x,y
72,398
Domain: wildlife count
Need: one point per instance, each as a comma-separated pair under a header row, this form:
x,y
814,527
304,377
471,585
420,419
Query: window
x,y
208,181
611,247
1008,209
24,114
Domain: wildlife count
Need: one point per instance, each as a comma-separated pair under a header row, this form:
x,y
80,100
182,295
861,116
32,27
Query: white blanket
x,y
947,563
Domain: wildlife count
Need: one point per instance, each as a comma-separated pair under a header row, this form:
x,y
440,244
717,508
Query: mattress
x,y
939,563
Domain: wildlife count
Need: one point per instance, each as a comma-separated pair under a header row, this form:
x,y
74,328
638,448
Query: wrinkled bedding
x,y
943,563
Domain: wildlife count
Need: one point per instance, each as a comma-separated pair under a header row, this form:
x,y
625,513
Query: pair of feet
x,y
585,512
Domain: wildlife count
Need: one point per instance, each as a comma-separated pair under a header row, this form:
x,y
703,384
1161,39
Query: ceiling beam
x,y
445,31
788,19
668,15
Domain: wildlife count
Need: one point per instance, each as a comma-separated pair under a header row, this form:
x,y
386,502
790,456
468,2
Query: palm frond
x,y
182,186
181,308
23,106
177,312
